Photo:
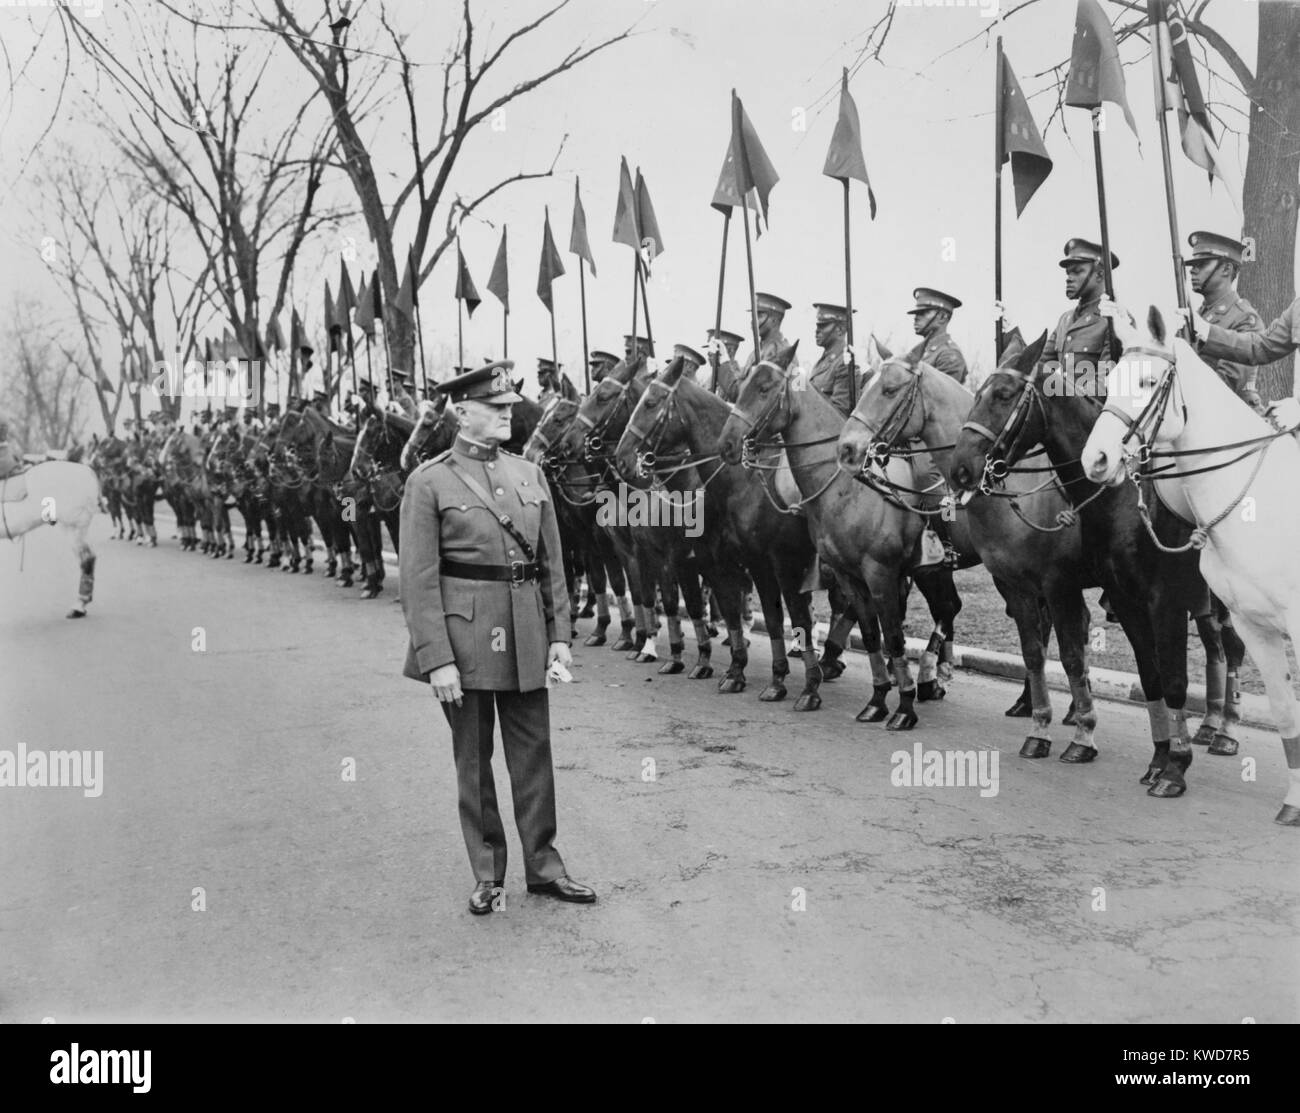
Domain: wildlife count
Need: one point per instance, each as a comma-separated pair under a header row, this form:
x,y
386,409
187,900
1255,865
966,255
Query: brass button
x,y
500,491
490,465
510,552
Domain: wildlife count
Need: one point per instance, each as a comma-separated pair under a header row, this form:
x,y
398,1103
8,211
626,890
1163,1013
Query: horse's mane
x,y
313,416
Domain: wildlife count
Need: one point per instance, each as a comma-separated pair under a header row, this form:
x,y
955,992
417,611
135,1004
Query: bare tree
x,y
42,389
463,109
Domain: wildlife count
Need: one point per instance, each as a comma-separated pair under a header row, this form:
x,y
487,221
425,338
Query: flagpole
x,y
1101,204
370,374
645,301
998,125
460,334
636,275
749,263
505,334
716,359
848,301
1157,12
555,355
586,355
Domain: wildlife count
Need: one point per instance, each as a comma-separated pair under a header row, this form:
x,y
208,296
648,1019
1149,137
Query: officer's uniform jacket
x,y
1079,342
833,378
942,354
1279,339
497,634
767,350
1232,313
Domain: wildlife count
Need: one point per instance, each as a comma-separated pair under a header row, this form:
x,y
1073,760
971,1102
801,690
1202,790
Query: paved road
x,y
328,898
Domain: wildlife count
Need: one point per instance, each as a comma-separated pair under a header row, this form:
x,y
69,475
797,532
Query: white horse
x,y
56,493
1242,498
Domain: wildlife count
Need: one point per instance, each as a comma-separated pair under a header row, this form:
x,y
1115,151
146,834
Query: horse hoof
x,y
872,713
808,701
832,670
1204,735
730,685
641,657
711,630
75,613
621,644
1165,789
594,639
589,611
1069,719
1036,747
672,668
371,593
929,690
1151,775
1289,816
902,720
1076,754
1224,745
773,693
700,672
1019,710
248,558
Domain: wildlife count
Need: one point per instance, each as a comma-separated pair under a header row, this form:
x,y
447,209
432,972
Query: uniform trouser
x,y
526,740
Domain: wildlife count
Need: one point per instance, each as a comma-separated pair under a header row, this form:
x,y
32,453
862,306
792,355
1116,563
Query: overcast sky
x,y
662,99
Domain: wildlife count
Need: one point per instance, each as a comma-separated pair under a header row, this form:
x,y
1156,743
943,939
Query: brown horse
x,y
909,400
1029,404
664,555
673,432
869,541
595,547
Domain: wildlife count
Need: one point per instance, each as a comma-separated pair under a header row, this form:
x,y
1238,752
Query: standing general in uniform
x,y
487,611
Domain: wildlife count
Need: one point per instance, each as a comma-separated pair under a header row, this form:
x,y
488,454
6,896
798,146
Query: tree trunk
x,y
1272,174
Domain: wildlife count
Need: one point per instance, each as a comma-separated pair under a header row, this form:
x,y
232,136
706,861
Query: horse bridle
x,y
593,442
1007,438
1153,412
884,439
647,457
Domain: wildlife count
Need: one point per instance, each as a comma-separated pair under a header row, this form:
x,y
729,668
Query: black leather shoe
x,y
565,888
480,900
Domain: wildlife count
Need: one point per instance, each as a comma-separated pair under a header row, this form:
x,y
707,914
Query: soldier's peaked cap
x,y
545,363
628,338
681,351
488,384
770,303
828,312
1210,245
600,356
927,299
725,336
1085,251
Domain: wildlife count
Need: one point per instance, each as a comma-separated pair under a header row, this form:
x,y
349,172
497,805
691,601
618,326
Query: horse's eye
x,y
651,402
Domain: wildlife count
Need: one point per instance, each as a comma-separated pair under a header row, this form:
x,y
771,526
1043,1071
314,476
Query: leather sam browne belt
x,y
514,573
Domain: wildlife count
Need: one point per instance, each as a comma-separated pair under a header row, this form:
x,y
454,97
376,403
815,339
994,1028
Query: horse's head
x,y
435,429
543,446
763,408
1006,420
891,410
653,427
1137,409
601,418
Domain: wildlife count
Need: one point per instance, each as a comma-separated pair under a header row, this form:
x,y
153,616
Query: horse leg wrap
x,y
927,667
1231,699
86,589
879,670
903,675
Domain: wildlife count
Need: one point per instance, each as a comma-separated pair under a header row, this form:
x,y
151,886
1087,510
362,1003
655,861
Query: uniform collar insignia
x,y
474,450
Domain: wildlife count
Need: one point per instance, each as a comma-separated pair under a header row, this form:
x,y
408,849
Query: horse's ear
x,y
883,352
1156,325
673,371
785,357
1013,344
1029,358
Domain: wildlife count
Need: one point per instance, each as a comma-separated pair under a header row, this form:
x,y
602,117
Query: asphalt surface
x,y
769,871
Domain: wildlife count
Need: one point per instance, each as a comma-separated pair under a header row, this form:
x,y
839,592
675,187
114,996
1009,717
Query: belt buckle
x,y
516,573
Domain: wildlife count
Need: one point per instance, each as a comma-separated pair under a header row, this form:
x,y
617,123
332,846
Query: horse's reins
x,y
1154,412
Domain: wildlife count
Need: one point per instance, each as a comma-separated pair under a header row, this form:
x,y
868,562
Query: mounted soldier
x,y
1083,339
601,363
721,340
930,318
832,376
483,593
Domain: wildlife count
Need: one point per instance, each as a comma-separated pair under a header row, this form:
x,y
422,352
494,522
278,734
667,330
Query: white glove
x,y
1286,412
1001,312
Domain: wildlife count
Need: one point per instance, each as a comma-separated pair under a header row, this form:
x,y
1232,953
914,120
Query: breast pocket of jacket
x,y
530,512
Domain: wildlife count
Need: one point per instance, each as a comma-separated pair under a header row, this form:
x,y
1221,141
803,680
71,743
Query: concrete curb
x,y
1112,684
